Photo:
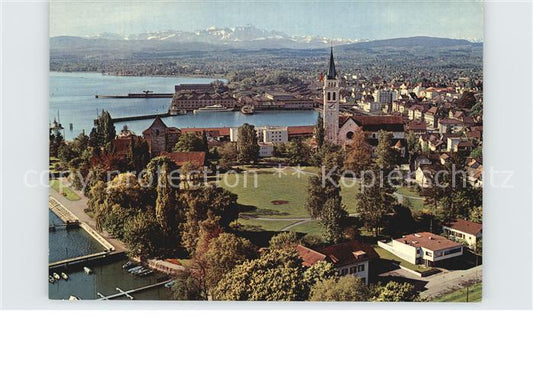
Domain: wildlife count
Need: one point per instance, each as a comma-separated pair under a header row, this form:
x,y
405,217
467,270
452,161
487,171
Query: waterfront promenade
x,y
77,208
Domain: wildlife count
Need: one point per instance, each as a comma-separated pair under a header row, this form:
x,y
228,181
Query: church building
x,y
340,129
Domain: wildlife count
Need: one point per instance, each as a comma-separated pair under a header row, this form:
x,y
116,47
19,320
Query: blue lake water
x,y
104,279
73,95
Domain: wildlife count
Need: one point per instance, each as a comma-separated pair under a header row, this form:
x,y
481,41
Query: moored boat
x,y
212,108
247,109
73,298
64,276
56,276
51,279
87,270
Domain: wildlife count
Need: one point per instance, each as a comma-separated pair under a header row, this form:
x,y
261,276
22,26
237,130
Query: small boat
x,y
87,270
213,108
73,298
51,279
146,273
248,109
135,269
64,276
129,264
170,283
56,276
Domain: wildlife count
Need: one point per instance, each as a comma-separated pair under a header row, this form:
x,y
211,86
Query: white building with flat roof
x,y
423,248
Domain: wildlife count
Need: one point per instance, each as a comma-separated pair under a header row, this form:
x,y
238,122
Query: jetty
x,y
140,117
71,220
129,293
149,95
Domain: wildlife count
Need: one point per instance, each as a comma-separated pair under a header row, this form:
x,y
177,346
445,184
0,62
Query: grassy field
x,y
474,295
258,225
268,194
413,203
384,254
66,191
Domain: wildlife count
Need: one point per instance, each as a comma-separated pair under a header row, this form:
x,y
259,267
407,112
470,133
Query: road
x,y
441,283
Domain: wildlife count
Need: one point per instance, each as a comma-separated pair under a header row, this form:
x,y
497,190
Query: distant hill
x,y
164,42
411,42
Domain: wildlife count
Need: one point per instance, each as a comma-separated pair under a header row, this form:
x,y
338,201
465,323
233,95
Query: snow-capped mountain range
x,y
231,36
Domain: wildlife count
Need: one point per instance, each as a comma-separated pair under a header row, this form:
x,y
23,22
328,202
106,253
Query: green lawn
x,y
413,203
474,295
65,190
264,225
384,254
311,227
260,192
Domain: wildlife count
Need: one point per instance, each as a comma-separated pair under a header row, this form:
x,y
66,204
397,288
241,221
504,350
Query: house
x,y
349,258
431,116
160,137
417,127
423,248
449,125
416,112
266,149
196,158
464,230
426,175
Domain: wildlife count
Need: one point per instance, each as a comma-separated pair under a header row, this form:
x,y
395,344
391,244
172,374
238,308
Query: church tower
x,y
330,113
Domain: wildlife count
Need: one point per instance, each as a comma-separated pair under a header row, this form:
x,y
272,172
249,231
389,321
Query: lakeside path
x,y
78,209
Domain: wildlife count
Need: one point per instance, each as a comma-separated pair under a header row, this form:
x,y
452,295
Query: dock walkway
x,y
132,291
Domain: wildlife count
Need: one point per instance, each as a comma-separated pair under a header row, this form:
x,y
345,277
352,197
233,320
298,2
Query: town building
x,y
195,158
340,129
160,137
423,248
350,258
464,230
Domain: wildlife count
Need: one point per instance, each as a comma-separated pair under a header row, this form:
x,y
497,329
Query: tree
x,y
284,240
396,292
476,214
374,202
358,154
142,236
247,146
320,132
187,288
200,203
477,153
346,288
299,153
165,204
386,156
138,154
413,145
277,275
224,253
332,217
228,155
318,272
190,142
105,132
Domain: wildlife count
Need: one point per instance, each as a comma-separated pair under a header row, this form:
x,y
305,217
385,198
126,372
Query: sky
x,y
351,19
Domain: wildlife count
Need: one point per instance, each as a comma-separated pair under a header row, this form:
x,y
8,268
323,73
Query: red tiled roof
x,y
293,130
378,120
214,132
429,241
348,253
197,158
465,226
309,256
